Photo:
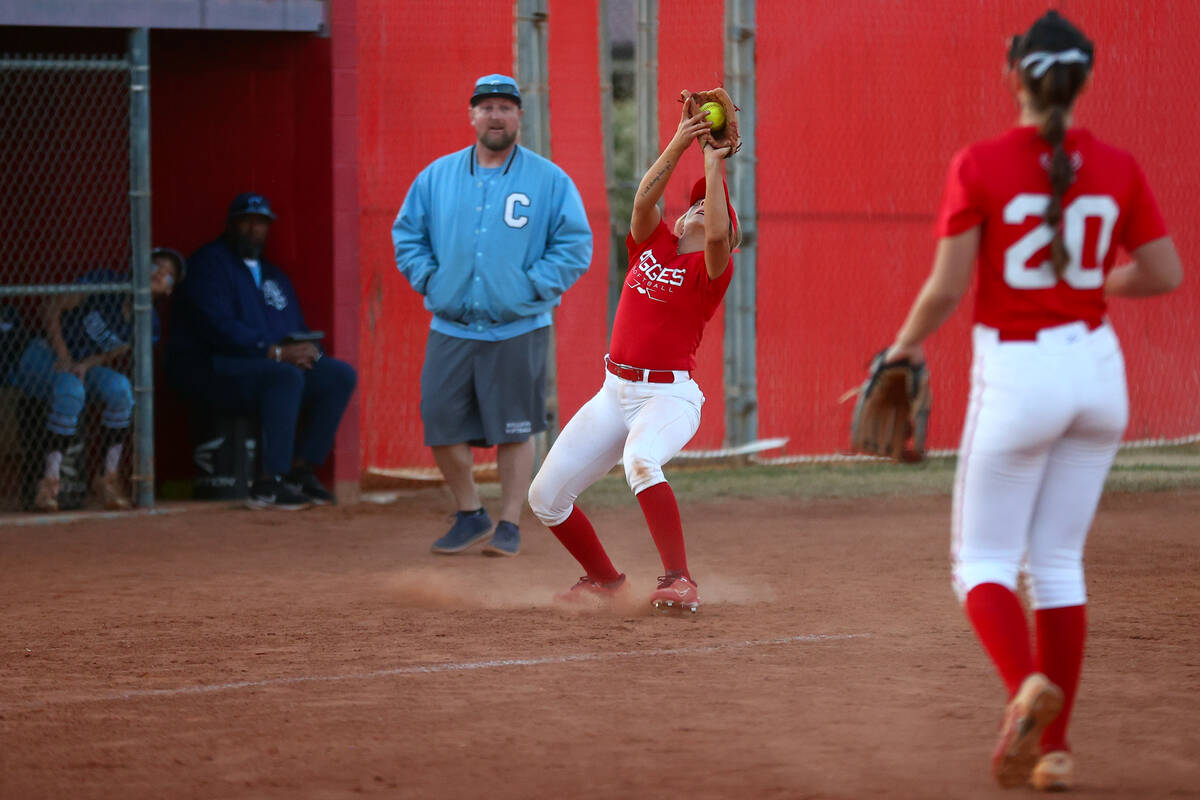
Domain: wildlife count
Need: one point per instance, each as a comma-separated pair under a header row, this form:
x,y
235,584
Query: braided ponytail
x,y
1062,175
1055,59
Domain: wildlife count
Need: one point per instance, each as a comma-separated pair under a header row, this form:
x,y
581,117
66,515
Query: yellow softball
x,y
716,114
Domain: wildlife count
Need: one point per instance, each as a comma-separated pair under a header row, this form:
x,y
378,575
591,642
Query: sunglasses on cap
x,y
486,89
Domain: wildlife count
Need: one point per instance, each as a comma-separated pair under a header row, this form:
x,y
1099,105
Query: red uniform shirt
x,y
665,302
1003,184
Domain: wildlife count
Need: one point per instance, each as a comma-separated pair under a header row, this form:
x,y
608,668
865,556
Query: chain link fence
x,y
66,292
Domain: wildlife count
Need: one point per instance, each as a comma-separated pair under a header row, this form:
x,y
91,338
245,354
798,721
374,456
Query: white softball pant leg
x,y
644,424
662,419
589,446
1043,424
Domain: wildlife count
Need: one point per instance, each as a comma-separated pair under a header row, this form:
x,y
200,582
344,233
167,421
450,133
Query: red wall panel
x,y
577,145
861,107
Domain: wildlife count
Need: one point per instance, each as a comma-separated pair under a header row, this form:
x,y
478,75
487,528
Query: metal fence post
x,y
741,374
139,232
532,51
532,48
645,86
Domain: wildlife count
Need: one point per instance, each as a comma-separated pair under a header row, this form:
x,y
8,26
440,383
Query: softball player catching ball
x,y
1042,208
649,406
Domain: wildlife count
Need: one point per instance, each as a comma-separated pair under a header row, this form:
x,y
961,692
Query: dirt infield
x,y
326,654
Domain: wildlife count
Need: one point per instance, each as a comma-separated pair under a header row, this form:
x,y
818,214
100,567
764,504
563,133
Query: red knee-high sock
x,y
662,515
999,621
579,537
1060,636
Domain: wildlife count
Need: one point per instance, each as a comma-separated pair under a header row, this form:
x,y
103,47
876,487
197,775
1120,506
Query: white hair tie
x,y
1040,62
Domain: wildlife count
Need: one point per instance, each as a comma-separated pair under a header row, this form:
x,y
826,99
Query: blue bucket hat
x,y
496,85
250,203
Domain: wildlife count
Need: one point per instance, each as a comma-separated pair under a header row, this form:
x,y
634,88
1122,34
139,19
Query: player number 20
x,y
1017,272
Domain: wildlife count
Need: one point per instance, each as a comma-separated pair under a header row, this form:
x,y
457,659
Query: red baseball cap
x,y
699,190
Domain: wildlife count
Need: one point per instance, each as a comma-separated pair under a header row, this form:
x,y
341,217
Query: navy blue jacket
x,y
218,315
99,324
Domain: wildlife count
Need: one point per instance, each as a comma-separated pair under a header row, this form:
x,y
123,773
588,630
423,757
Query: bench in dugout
x,y
224,454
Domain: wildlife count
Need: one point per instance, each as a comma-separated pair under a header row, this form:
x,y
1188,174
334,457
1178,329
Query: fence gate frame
x,y
136,63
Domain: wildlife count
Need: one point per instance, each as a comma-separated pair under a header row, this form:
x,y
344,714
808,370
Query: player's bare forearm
x,y
716,213
1156,269
654,182
930,310
943,289
107,357
52,311
645,214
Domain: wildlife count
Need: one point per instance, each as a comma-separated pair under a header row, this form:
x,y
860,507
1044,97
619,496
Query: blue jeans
x,y
66,394
279,395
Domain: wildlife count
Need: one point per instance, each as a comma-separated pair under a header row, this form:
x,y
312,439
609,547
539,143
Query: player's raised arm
x,y
645,203
718,228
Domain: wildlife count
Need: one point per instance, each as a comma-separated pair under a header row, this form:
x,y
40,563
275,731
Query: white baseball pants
x,y
1043,425
642,424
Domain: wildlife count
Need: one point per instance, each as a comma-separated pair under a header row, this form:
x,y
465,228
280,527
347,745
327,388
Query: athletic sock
x,y
579,537
112,458
662,516
53,464
1060,638
113,445
55,450
999,621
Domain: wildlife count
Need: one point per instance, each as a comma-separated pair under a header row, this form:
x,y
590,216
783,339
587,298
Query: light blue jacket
x,y
492,251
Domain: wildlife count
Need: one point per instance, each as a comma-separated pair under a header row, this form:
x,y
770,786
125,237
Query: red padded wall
x,y
576,141
861,107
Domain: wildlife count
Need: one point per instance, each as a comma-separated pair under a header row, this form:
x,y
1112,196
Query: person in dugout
x,y
238,344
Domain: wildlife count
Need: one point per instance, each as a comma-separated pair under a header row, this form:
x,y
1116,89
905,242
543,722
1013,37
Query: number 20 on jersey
x,y
1017,272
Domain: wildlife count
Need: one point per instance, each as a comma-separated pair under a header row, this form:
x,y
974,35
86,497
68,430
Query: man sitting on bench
x,y
238,344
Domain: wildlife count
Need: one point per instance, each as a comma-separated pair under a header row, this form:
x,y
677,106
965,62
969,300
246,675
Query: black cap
x,y
250,203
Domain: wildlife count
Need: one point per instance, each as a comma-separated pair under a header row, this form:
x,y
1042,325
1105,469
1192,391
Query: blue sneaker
x,y
469,528
506,541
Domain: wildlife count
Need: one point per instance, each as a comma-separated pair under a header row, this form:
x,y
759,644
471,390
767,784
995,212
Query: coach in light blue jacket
x,y
491,237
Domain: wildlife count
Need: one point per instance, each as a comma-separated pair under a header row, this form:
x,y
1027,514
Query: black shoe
x,y
274,493
302,481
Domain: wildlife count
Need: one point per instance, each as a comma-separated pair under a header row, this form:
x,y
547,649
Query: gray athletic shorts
x,y
484,393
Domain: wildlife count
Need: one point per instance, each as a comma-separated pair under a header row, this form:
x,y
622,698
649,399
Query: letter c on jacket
x,y
510,207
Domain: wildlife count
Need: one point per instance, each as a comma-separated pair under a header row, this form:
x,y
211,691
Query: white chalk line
x,y
464,666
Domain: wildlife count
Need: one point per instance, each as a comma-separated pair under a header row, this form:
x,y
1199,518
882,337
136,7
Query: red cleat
x,y
590,592
675,593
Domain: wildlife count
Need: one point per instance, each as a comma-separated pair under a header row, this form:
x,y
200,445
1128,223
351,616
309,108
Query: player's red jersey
x,y
665,302
1003,184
